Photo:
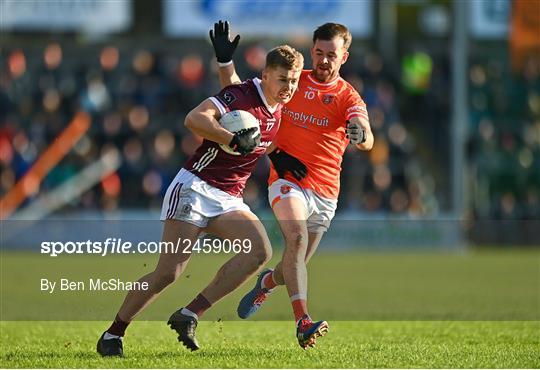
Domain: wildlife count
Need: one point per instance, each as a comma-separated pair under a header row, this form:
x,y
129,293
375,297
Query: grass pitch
x,y
271,344
352,286
479,309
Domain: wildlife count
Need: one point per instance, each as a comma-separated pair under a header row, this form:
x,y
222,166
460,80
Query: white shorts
x,y
320,211
192,200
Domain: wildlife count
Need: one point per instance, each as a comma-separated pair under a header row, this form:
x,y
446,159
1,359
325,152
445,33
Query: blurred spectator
x,y
504,139
138,99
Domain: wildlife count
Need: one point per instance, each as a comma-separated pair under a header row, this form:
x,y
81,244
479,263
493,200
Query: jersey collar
x,y
321,84
257,83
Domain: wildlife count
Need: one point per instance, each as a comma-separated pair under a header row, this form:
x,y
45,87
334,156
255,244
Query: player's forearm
x,y
208,127
228,76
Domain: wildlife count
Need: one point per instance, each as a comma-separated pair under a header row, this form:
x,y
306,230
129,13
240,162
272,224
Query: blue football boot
x,y
253,300
308,331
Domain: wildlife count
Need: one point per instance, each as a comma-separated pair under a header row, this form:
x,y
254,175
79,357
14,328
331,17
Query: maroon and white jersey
x,y
229,172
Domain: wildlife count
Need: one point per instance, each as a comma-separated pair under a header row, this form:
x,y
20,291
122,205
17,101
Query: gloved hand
x,y
245,141
284,162
355,133
223,46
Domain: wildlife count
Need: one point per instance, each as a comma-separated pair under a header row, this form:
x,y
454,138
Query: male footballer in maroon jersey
x,y
206,195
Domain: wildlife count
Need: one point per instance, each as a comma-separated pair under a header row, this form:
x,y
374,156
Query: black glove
x,y
355,133
245,141
223,46
284,162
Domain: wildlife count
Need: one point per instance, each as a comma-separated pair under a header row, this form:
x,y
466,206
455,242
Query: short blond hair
x,y
285,56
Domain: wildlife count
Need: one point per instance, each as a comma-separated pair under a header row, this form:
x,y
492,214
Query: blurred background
x,y
452,89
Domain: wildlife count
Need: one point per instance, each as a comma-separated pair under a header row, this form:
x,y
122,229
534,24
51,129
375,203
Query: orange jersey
x,y
313,130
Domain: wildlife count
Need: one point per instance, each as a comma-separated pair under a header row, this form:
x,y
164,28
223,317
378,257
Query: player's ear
x,y
345,57
264,74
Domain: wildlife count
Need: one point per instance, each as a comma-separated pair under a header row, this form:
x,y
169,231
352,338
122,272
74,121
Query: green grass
x,y
271,344
479,309
485,285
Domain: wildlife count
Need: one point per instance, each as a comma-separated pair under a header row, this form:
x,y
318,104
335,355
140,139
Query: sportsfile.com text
x,y
120,246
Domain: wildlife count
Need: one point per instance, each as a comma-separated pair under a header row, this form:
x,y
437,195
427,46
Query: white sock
x,y
108,336
299,296
187,312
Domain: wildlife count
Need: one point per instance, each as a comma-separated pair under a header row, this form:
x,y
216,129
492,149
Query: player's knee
x,y
296,238
263,253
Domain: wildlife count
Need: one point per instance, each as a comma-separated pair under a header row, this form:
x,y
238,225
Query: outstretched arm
x,y
224,49
228,76
284,162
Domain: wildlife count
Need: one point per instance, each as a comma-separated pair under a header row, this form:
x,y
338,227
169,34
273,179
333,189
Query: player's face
x,y
327,57
279,84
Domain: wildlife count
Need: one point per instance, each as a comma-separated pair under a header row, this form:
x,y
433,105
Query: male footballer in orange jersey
x,y
322,118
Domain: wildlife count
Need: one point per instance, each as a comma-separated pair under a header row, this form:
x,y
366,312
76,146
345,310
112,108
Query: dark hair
x,y
329,31
285,56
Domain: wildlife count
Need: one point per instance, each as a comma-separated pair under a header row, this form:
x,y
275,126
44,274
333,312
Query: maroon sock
x,y
199,305
299,308
118,327
268,280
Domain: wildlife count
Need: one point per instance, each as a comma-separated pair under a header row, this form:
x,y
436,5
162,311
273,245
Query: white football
x,y
235,121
